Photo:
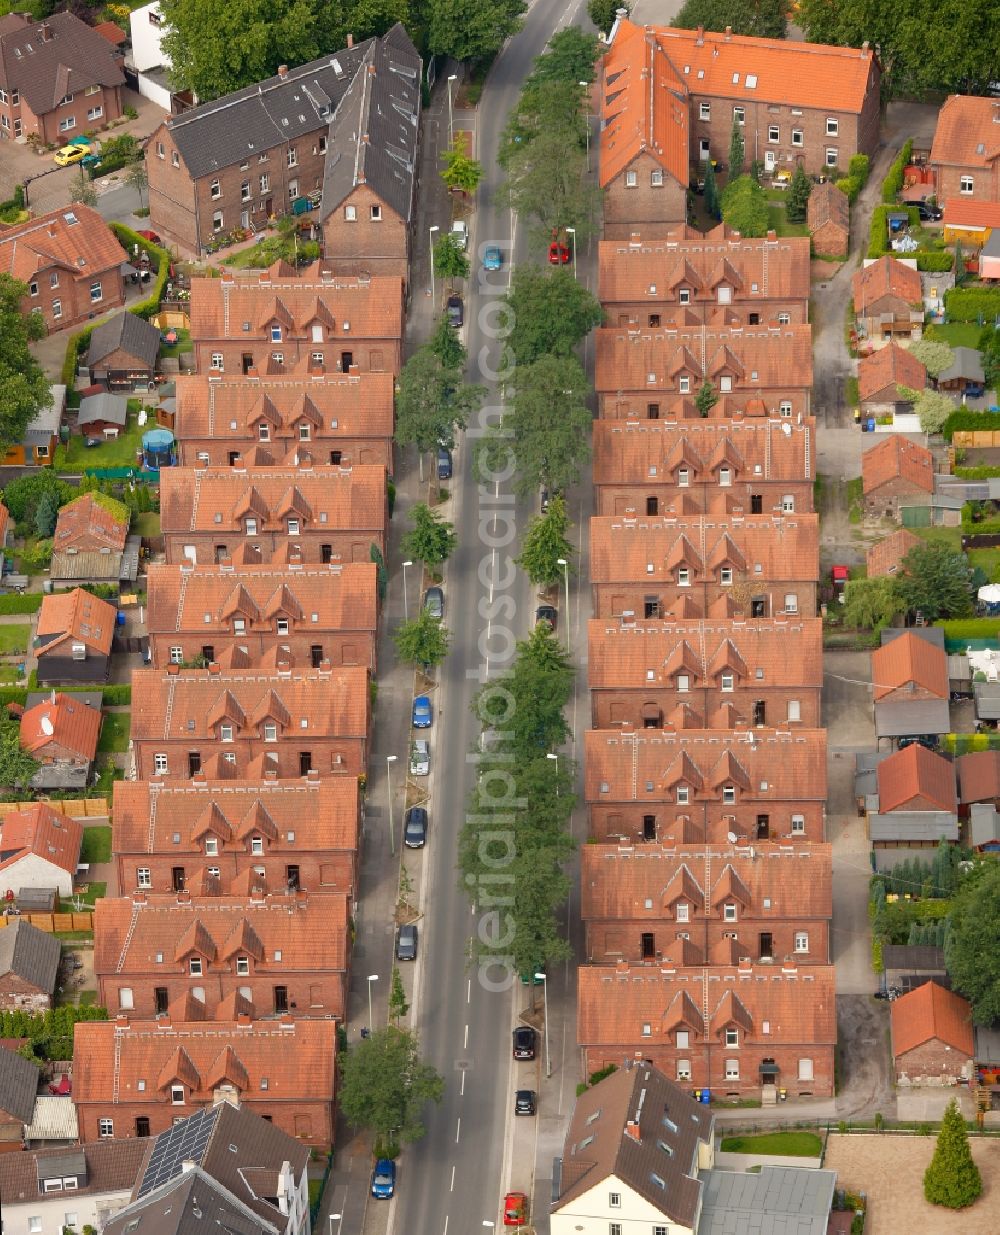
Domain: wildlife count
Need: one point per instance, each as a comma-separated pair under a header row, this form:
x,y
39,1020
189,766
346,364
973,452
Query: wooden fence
x,y
53,923
73,808
977,438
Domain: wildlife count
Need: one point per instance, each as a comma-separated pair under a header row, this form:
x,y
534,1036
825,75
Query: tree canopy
x,y
934,354
24,388
546,182
766,19
384,1085
972,947
431,539
461,171
551,313
797,195
550,422
937,581
472,29
952,1179
432,401
744,206
545,543
870,604
603,13
17,766
423,640
450,260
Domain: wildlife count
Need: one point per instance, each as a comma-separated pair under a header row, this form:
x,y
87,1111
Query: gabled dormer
x,y
250,514
226,718
263,419
683,562
317,323
240,610
683,897
727,667
682,668
725,369
684,371
195,948
730,897
294,511
724,281
283,610
305,419
683,463
682,1016
270,717
211,830
726,560
227,1070
731,1024
683,716
726,463
242,946
684,282
257,821
683,779
276,323
728,778
179,1077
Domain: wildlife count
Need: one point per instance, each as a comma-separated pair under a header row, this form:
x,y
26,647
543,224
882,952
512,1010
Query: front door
x,y
770,159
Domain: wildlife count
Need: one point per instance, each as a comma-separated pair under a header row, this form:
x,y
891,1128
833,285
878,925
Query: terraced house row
x,y
707,886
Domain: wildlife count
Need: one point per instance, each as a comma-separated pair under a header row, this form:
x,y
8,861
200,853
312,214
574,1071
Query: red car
x,y
152,237
515,1209
559,253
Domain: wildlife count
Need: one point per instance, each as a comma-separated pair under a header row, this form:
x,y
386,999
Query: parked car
x,y
423,713
515,1209
546,613
420,757
152,237
492,257
559,251
406,943
525,1102
444,463
460,232
928,213
68,155
456,310
415,827
434,602
384,1179
525,1040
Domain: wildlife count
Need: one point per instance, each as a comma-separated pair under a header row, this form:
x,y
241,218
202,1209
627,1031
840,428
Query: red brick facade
x,y
643,198
364,235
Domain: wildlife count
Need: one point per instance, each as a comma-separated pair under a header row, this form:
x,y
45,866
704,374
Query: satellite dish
x,y
731,837
786,429
47,727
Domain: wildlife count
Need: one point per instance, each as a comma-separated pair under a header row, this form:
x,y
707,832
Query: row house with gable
x,y
250,725
236,837
272,954
707,904
136,1077
704,566
701,786
732,673
752,281
229,421
637,366
308,616
319,514
297,323
762,466
792,405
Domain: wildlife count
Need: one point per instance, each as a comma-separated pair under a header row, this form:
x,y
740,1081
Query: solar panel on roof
x,y
184,1142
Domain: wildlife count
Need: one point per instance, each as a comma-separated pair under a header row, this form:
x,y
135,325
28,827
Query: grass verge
x,y
96,844
787,1144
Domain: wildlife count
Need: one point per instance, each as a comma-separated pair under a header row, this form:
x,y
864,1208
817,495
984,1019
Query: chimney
x,y
228,275
45,32
122,1020
183,898
270,775
282,71
225,563
699,37
865,50
729,33
284,667
350,41
201,463
621,967
632,1130
772,236
312,776
353,370
243,1018
138,898
173,670
214,669
325,666
199,778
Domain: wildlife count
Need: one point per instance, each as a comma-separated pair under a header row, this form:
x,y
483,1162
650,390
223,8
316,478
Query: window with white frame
x,y
729,912
728,682
57,309
798,137
244,190
175,158
251,526
160,764
705,111
95,113
350,214
725,477
966,185
143,878
631,179
683,478
683,1069
729,794
732,1069
293,190
215,188
257,845
218,362
739,115
805,1069
243,965
656,179
66,124
791,602
293,527
270,731
794,709
282,624
683,683
832,126
211,846
682,913
218,221
801,941
831,156
105,1128
683,795
732,1037
126,1000
773,133
726,576
35,1222
683,577
614,1228
798,824
96,291
784,408
614,1200
376,214
684,295
682,1039
225,733
293,156
684,384
265,183
788,503
176,655
726,384
195,966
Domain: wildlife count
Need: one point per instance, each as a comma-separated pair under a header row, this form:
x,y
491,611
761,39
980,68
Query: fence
x,y
73,808
980,439
54,923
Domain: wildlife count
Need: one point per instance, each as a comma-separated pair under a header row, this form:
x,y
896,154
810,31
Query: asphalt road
x,y
453,1178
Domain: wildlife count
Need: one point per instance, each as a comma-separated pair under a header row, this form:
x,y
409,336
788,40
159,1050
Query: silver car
x,y
420,757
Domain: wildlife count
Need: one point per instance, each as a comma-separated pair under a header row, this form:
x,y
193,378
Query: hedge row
x,y
878,237
115,696
969,304
159,257
935,262
977,473
970,628
892,185
30,602
988,422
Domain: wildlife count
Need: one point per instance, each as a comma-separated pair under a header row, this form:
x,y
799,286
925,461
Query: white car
x,y
420,757
460,230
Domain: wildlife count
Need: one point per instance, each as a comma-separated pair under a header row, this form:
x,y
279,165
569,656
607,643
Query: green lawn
x,y
96,844
114,732
950,536
14,639
778,220
264,253
988,561
146,524
956,334
88,999
94,892
75,456
787,1144
183,343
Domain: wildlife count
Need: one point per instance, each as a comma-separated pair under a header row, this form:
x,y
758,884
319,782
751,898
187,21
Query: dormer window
x,y
729,794
304,431
682,912
683,478
726,576
725,383
177,1095
282,626
195,967
725,476
684,384
257,845
683,683
293,527
243,966
251,527
275,333
728,682
732,1037
270,731
263,431
683,795
211,842
684,295
225,733
317,332
239,626
725,294
683,577
729,912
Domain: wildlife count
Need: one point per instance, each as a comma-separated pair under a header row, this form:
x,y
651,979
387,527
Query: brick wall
x,y
308,1118
323,449
885,499
649,313
319,993
643,206
339,647
172,198
49,125
364,235
330,871
320,544
931,1063
282,756
613,940
614,705
338,356
18,995
708,1065
613,599
637,404
710,821
621,499
832,239
985,183
70,298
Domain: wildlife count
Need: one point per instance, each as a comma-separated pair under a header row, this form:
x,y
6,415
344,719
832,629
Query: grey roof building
x,y
28,957
912,827
44,425
40,1183
18,1086
189,1204
908,966
781,1200
984,826
987,700
103,409
70,56
125,332
966,365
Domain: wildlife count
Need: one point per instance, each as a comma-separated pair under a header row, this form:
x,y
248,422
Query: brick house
x,y
306,323
881,375
247,156
751,282
676,409
242,726
670,96
704,566
18,1088
979,777
341,419
29,966
888,300
681,906
277,953
910,687
828,217
58,77
916,779
895,468
965,153
73,638
123,352
705,674
89,539
764,466
932,1038
306,615
654,364
326,514
39,849
69,258
302,834
135,1078
732,1029
886,556
692,787
61,732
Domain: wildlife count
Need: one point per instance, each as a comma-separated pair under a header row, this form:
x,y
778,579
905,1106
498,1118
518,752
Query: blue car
x,y
492,258
423,714
384,1179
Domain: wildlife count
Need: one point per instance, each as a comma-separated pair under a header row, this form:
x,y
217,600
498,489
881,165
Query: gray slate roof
x,y
917,958
45,425
781,1200
984,823
904,719
987,700
109,407
127,331
30,954
966,363
190,1204
930,634
18,1085
110,1166
913,825
44,69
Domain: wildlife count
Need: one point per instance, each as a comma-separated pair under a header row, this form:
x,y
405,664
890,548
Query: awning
x,y
769,1069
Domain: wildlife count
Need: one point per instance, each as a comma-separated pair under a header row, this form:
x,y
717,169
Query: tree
x,y
797,196
450,261
712,205
447,346
934,355
551,312
472,29
550,422
931,407
432,402
24,388
47,514
960,270
706,398
384,1085
545,543
546,182
569,57
604,12
952,1179
461,172
422,641
217,46
989,350
937,581
870,604
17,767
431,540
545,105
136,178
767,19
972,953
23,495
82,189
744,206
398,1007
737,150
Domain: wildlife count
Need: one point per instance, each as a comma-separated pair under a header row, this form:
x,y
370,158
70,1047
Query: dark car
x,y
929,213
456,310
406,944
415,828
444,463
546,613
524,1102
434,602
525,1040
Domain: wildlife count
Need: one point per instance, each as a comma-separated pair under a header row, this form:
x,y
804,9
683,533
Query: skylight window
x,y
658,1180
736,79
751,82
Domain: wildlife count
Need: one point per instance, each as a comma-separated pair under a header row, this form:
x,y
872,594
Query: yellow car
x,y
71,154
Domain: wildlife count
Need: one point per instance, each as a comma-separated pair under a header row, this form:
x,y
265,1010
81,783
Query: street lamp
x,y
451,119
339,1218
540,977
406,603
561,561
555,759
389,761
372,977
586,87
431,230
572,232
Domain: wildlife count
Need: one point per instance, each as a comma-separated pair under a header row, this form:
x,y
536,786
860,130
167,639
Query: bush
x,y
878,237
117,696
893,183
850,186
935,262
972,304
988,422
37,557
116,152
159,257
21,496
858,169
50,1033
970,628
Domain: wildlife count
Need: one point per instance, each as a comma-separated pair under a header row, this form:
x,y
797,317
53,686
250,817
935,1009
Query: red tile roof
x,y
916,779
75,617
113,33
967,212
38,829
890,366
886,277
897,458
978,776
828,204
85,247
90,525
66,721
928,1013
886,557
909,666
967,133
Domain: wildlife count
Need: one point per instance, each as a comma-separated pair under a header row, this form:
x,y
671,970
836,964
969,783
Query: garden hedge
x,y
972,304
935,262
158,256
893,183
988,422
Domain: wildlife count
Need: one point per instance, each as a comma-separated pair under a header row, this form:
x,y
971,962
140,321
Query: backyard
x,y
96,845
778,221
76,455
14,639
114,732
955,334
785,1144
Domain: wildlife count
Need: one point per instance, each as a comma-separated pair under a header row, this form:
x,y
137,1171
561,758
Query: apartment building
x,y
790,405
965,153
